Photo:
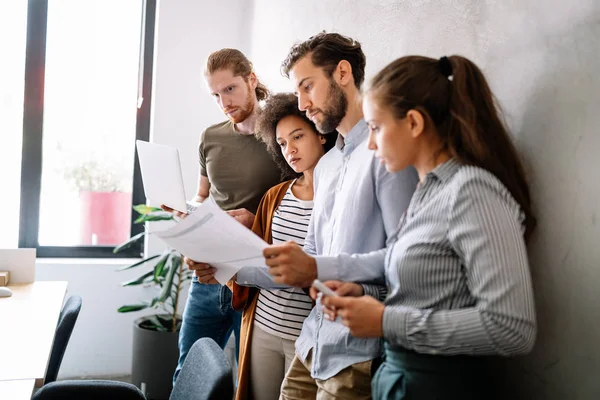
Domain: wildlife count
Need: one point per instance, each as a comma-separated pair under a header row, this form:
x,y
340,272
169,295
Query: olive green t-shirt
x,y
239,168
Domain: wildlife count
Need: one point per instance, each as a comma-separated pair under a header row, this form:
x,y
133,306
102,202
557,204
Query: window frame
x,y
33,118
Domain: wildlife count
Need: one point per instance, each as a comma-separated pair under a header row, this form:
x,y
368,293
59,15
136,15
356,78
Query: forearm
x,y
468,331
368,268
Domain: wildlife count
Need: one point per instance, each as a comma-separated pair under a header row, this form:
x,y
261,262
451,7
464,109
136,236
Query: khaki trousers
x,y
353,382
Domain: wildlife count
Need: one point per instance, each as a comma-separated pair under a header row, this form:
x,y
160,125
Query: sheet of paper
x,y
210,235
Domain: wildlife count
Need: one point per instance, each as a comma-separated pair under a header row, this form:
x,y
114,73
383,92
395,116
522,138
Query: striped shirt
x,y
457,270
282,312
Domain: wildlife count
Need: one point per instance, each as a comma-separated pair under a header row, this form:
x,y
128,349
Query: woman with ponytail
x,y
457,271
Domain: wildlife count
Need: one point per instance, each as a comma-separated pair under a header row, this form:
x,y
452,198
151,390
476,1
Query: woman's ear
x,y
322,139
416,122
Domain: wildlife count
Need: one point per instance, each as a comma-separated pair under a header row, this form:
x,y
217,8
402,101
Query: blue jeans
x,y
208,313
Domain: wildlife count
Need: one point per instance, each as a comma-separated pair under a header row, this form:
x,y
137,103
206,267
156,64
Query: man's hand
x,y
179,214
243,216
289,265
363,315
204,272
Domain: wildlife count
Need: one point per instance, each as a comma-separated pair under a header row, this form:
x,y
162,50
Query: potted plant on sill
x,y
155,350
104,198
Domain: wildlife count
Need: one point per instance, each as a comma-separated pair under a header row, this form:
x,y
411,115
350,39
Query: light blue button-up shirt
x,y
357,207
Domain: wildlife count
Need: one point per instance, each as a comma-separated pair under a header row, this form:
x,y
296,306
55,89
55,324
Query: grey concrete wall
x,y
541,58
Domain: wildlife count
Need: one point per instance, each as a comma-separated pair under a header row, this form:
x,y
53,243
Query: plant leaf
x,y
160,265
154,216
168,283
139,280
145,260
133,240
132,307
152,322
145,209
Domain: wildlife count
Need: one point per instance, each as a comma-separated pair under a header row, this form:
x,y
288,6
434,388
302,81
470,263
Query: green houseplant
x,y
155,350
165,271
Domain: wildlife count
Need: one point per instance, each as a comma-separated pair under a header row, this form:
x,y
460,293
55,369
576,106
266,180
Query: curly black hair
x,y
276,108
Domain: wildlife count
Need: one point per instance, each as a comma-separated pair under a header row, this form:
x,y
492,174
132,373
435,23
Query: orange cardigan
x,y
244,297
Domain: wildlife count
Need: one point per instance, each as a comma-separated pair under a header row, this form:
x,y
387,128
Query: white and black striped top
x,y
282,312
458,274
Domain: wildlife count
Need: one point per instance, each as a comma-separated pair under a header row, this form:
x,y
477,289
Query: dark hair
x,y
327,50
235,61
464,112
276,108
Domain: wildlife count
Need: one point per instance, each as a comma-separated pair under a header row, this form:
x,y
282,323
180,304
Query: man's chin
x,y
237,120
324,127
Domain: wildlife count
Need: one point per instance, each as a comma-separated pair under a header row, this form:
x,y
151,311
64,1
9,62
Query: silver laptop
x,y
161,174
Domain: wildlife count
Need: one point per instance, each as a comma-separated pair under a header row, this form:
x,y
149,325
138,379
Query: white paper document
x,y
210,235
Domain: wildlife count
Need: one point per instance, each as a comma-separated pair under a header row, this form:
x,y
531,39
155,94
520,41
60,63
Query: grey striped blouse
x,y
457,272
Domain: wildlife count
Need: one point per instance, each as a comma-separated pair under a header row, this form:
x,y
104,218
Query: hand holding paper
x,y
211,236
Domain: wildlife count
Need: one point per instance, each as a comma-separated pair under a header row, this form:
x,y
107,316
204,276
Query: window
x,y
13,34
87,98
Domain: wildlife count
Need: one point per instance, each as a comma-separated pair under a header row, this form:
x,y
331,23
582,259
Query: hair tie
x,y
446,67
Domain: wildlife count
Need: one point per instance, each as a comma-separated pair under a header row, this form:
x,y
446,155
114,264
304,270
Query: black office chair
x,y
206,374
89,390
66,323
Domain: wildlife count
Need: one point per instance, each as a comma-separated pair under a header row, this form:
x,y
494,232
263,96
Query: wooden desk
x,y
21,389
27,325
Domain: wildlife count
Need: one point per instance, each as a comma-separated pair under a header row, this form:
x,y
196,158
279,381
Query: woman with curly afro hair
x,y
273,315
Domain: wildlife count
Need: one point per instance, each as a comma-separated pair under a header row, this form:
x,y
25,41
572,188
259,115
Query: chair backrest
x,y
89,390
66,323
205,374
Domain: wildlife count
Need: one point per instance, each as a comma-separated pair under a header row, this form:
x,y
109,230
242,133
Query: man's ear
x,y
343,73
253,80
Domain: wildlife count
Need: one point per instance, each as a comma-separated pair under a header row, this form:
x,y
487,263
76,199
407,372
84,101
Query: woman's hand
x,y
341,289
363,315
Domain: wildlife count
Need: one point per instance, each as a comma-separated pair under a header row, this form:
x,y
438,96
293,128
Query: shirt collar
x,y
356,136
446,170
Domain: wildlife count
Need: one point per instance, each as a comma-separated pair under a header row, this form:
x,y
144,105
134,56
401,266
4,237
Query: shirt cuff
x,y
327,268
377,291
245,277
394,325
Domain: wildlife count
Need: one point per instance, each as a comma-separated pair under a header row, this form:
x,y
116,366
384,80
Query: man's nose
x,y
303,102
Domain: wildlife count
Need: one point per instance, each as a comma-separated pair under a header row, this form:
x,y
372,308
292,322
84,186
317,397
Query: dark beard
x,y
336,111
